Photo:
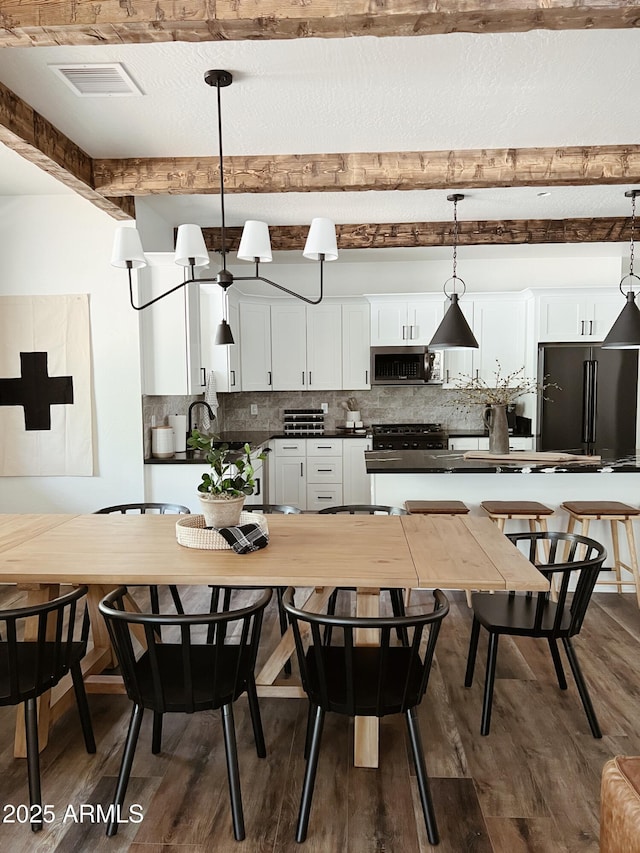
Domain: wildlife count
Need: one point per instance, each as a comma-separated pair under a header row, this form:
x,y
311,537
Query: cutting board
x,y
530,456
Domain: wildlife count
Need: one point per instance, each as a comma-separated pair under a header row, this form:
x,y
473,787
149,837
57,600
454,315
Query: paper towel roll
x,y
178,424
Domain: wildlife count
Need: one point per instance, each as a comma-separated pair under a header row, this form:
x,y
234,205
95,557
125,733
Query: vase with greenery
x,y
494,396
225,486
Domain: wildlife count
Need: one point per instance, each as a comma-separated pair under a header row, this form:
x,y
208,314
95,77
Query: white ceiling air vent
x,y
104,80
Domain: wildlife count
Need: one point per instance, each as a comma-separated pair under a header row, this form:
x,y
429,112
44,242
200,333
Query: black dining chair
x,y
367,681
572,564
185,676
30,667
155,509
396,595
267,509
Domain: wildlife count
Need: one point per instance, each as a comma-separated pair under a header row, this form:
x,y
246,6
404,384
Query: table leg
x,y
37,593
366,729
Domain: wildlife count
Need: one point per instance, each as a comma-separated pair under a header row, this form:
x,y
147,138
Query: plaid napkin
x,y
245,537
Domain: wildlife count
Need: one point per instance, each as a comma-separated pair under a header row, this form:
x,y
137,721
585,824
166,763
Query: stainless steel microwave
x,y
406,366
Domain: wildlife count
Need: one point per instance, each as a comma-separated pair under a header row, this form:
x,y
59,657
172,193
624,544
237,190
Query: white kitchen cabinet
x,y
255,346
356,343
290,481
356,483
499,324
516,442
224,360
321,496
578,315
324,446
407,322
169,330
306,347
464,443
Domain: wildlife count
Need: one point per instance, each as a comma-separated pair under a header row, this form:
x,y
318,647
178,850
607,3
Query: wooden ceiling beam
x,y
42,23
401,235
33,137
405,170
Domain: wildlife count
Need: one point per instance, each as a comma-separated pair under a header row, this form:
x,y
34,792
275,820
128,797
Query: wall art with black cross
x,y
36,391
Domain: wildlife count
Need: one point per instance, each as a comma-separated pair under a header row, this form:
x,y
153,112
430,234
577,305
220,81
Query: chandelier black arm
x,y
285,289
166,293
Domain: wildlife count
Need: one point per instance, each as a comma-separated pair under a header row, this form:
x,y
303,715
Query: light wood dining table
x,y
320,552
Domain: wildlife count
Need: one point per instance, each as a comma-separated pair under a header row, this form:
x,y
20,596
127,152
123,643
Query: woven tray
x,y
191,532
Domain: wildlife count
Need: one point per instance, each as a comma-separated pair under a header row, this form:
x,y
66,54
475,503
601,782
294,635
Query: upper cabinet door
x,y
289,346
499,325
356,337
423,318
578,316
389,324
324,347
255,346
223,360
170,331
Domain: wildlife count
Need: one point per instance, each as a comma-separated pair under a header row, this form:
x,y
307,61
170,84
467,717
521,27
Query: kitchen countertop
x,y
452,462
256,438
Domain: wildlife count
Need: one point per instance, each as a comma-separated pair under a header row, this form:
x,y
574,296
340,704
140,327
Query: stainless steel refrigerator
x,y
595,407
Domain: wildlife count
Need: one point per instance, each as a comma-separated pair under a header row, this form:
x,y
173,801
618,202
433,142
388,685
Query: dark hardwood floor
x,y
531,785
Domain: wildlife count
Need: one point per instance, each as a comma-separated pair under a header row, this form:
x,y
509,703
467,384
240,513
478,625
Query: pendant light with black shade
x,y
454,332
255,246
625,332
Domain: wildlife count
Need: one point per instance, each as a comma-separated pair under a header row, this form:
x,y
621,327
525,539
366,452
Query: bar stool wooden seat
x,y
436,507
531,511
615,512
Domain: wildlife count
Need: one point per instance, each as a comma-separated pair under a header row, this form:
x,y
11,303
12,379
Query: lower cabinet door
x,y
291,480
321,496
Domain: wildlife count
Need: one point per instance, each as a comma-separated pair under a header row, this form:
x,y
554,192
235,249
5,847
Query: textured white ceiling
x,y
361,94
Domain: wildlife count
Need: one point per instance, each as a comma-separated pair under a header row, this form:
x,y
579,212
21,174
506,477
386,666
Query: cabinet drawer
x,y
324,447
290,446
520,443
319,497
324,469
465,443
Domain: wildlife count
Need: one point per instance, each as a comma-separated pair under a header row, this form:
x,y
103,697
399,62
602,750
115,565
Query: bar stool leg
x,y
628,524
616,553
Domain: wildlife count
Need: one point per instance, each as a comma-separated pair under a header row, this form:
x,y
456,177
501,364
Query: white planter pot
x,y
220,512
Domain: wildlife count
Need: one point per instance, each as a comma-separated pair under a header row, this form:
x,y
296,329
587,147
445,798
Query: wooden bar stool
x,y
614,512
531,511
436,507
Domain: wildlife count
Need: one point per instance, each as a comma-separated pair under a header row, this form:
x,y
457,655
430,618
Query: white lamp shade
x,y
190,244
255,242
127,248
321,240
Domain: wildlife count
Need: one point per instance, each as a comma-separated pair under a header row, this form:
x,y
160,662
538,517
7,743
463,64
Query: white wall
x,y
62,244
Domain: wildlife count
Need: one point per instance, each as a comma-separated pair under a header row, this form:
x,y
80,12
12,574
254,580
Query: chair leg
x,y
473,650
308,731
555,654
284,625
421,776
310,775
156,735
33,758
582,687
331,609
397,605
233,773
177,601
490,677
83,707
256,719
135,722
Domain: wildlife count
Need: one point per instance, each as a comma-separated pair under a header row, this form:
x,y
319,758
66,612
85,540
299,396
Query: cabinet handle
x,y
582,327
303,377
290,447
447,377
366,377
203,376
478,374
233,377
302,469
257,492
411,335
324,498
590,327
269,382
404,333
325,470
309,377
324,446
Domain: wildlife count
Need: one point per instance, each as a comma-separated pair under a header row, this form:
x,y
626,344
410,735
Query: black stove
x,y
409,437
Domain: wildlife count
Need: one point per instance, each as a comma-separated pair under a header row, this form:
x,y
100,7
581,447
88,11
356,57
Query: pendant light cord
x,y
633,227
221,172
455,241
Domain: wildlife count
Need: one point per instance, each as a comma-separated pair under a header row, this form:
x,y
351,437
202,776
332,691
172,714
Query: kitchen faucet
x,y
207,407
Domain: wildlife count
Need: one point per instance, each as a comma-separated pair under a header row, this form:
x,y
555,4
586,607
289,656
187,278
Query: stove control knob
x,y
414,445
405,445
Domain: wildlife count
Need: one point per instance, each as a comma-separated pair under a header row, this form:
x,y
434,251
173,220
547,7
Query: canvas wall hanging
x,y
45,386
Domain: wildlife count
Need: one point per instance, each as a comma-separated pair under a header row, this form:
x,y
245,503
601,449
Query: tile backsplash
x,y
381,404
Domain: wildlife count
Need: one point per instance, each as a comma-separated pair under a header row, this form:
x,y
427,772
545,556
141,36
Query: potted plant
x,y
224,488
